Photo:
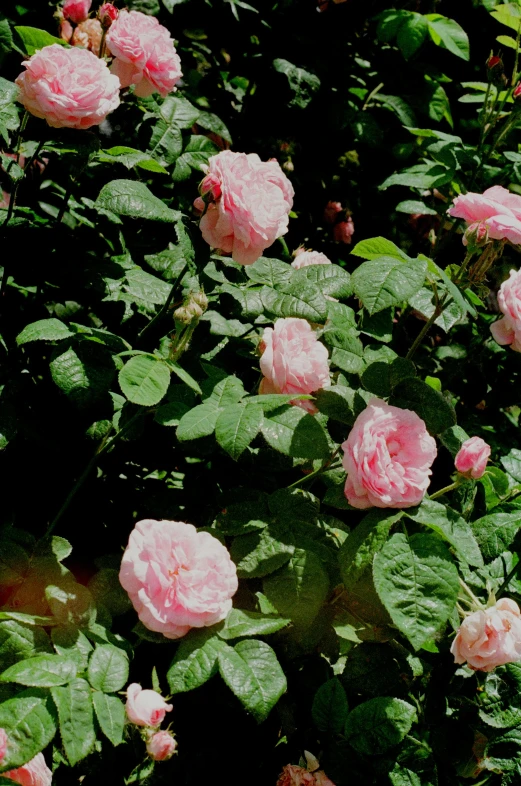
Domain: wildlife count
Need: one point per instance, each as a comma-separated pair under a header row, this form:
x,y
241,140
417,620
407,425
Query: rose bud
x,y
517,92
145,707
76,10
161,746
331,211
210,188
494,63
476,235
107,14
344,231
472,458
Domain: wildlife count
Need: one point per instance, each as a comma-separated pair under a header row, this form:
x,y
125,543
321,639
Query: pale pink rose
x,y
3,743
88,35
304,258
293,360
343,232
34,773
145,707
508,329
161,746
177,578
144,53
387,457
76,10
472,458
69,88
496,208
292,775
331,211
489,638
252,210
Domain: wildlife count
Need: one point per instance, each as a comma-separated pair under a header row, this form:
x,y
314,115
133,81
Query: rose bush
x,y
259,408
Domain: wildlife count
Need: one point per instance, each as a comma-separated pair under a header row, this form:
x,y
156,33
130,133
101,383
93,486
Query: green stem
x,y
464,265
507,581
65,203
445,490
372,95
327,465
425,329
478,604
165,308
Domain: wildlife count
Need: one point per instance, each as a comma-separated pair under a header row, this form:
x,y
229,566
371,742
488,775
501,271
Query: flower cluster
x,y
147,709
496,209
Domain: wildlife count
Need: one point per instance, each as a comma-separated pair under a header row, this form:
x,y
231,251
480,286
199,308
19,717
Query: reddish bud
x,y
107,14
517,92
210,188
494,63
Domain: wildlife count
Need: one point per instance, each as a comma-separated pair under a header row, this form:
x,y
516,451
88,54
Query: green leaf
x,y
432,407
71,603
271,272
253,673
166,142
129,157
134,199
261,552
378,247
329,709
227,392
365,540
331,280
19,641
338,403
377,725
452,528
198,422
414,206
272,401
387,281
240,623
144,380
417,583
301,302
237,426
42,671
401,108
512,464
29,727
84,372
495,533
411,35
68,640
108,668
302,83
110,713
448,34
195,661
462,302
299,589
76,719
44,330
508,41
33,39
296,433
500,699
14,563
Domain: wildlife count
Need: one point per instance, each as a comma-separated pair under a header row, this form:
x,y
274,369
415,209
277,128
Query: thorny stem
x,y
438,309
445,490
165,308
327,465
507,581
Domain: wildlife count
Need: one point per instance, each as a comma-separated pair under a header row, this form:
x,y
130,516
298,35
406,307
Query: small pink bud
x,y
343,232
517,92
331,211
161,746
476,235
210,188
107,14
76,10
471,460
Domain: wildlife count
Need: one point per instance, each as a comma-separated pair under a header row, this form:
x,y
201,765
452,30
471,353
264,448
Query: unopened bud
x,y
210,188
201,299
199,206
494,63
183,315
517,92
107,14
476,235
195,310
161,746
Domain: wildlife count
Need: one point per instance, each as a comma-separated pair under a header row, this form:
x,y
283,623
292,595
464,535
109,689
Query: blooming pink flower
x,y
144,53
107,14
331,211
343,232
177,578
293,360
304,258
3,743
292,775
472,458
508,329
145,707
252,210
34,773
69,88
497,208
88,35
489,638
76,10
387,457
161,746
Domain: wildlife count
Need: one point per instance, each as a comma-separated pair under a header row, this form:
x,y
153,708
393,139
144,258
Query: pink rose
x,y
293,360
508,329
145,707
76,10
69,88
497,208
3,743
161,746
252,209
177,578
292,775
88,35
489,638
144,53
304,258
472,458
387,457
331,211
34,773
343,232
